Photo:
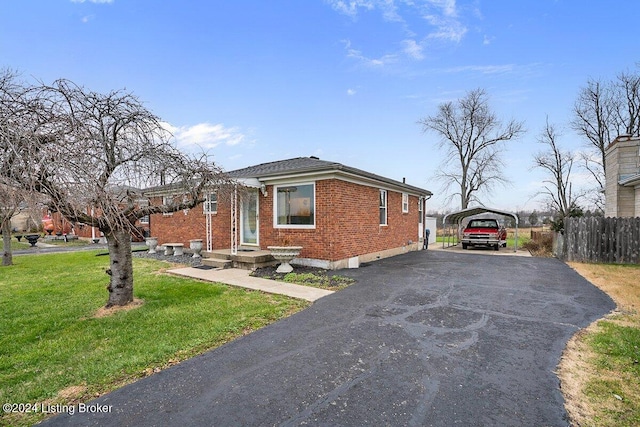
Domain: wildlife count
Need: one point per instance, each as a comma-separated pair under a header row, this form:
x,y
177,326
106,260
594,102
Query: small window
x,y
211,203
295,206
167,200
143,204
420,210
405,203
383,207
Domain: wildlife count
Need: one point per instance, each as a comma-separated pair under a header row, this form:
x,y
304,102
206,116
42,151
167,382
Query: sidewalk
x,y
241,278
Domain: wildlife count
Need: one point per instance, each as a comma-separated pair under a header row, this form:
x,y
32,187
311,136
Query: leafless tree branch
x,y
471,136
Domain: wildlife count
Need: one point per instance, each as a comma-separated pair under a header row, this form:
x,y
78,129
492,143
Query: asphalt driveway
x,y
424,339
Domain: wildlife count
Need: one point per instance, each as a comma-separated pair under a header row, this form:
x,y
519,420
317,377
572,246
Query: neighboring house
x,y
340,215
622,189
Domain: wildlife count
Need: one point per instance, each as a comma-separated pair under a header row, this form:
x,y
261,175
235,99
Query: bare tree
x,y
90,154
9,204
471,136
10,195
558,165
602,111
594,118
626,89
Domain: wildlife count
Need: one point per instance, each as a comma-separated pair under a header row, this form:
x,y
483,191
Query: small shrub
x,y
542,247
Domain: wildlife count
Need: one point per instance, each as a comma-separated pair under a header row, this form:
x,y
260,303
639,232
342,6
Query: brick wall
x,y
347,223
178,227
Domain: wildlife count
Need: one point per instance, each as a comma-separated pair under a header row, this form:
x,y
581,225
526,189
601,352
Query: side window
x,y
167,200
405,203
143,203
383,207
210,205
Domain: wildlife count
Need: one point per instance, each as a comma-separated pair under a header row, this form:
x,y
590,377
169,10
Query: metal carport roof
x,y
457,217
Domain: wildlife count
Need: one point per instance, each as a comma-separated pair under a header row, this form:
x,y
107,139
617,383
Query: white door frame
x,y
244,221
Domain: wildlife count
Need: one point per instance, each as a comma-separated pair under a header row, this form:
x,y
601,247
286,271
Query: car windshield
x,y
480,223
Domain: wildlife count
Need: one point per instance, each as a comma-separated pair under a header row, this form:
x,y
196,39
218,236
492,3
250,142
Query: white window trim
x,y
385,207
405,203
275,207
207,204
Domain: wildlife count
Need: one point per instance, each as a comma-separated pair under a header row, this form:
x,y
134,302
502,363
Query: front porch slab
x,y
246,260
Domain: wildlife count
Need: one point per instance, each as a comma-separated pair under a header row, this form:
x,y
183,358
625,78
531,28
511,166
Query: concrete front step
x,y
246,260
217,263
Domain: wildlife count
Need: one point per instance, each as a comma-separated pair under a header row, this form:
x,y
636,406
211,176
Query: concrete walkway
x,y
238,277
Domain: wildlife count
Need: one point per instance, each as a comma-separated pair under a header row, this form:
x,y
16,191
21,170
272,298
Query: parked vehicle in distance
x,y
484,232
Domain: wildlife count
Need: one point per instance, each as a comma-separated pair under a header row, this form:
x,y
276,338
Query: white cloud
x,y
413,49
483,69
351,7
440,20
205,135
351,92
446,28
370,62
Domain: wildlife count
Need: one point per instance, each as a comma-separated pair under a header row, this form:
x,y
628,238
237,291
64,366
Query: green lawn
x,y
54,350
15,245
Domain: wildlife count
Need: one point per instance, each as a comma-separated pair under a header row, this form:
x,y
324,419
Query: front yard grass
x,y
600,369
54,349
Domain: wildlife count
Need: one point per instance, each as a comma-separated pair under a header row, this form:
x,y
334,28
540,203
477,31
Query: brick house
x,y
340,215
622,188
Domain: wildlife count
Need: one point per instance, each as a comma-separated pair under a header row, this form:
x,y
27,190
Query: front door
x,y
249,219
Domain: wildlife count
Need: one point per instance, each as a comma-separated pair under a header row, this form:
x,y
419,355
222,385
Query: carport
x,y
455,219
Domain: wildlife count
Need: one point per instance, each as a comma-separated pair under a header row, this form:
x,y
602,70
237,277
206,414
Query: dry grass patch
x,y
109,311
600,367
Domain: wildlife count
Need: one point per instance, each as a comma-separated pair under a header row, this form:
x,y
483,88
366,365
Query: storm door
x,y
249,218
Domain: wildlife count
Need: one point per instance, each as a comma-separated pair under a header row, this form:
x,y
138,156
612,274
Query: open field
x,y
600,368
59,346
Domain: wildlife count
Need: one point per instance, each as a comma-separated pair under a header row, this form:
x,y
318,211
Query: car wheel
x,y
464,246
496,247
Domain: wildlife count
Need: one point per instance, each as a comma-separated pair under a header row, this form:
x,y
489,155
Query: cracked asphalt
x,y
427,338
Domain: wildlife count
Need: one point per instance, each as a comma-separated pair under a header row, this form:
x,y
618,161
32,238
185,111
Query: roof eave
x,y
631,181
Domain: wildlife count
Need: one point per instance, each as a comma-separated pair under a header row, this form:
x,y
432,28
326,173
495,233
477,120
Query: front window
x,y
383,207
295,206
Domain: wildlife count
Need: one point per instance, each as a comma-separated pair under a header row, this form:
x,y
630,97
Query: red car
x,y
484,232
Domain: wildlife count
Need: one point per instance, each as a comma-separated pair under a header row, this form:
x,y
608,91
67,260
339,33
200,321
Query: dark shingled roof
x,y
300,165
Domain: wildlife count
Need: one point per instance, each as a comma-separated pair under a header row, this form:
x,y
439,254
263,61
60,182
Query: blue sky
x,y
253,81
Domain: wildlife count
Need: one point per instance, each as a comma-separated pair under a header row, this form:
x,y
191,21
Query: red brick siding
x,y
61,225
178,227
347,223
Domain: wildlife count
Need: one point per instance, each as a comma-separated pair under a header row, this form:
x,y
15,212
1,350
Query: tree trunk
x,y
7,255
120,269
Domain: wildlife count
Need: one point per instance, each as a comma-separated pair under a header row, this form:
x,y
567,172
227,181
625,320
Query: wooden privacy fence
x,y
601,240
